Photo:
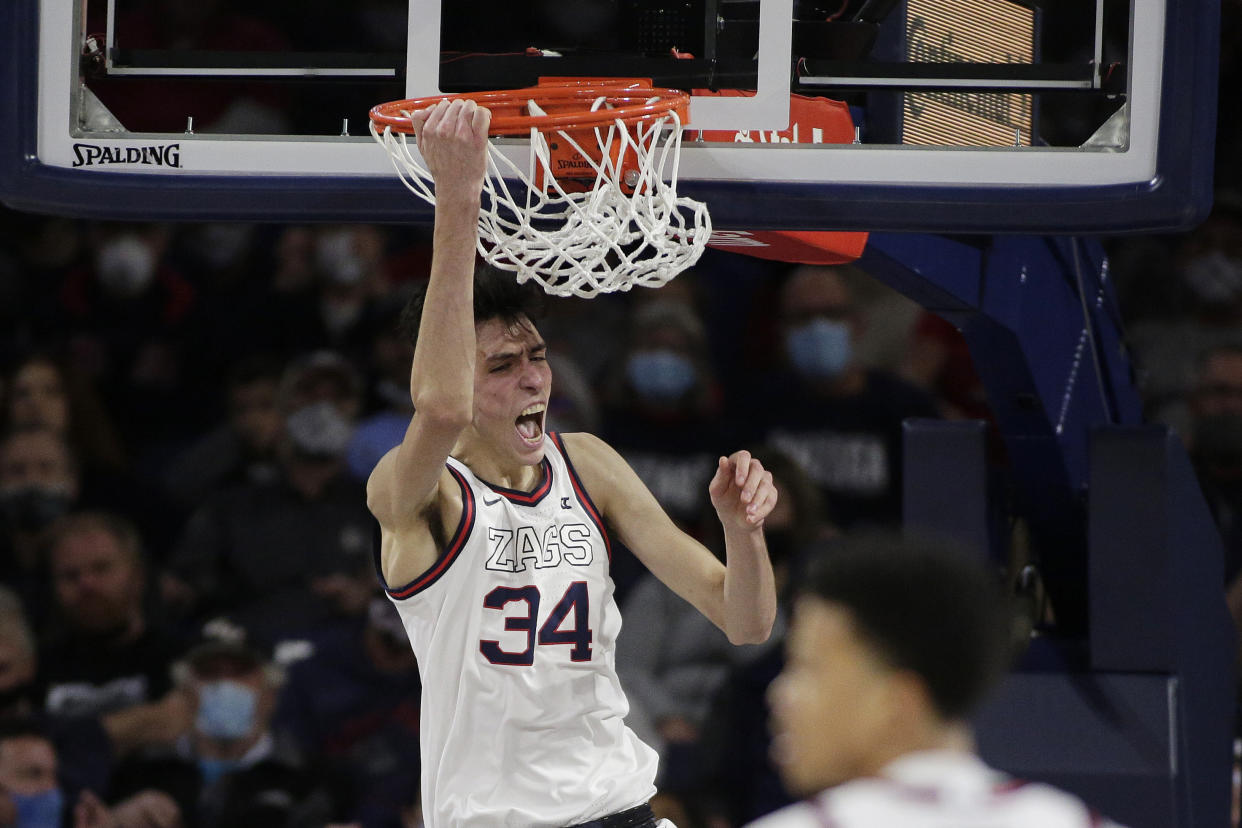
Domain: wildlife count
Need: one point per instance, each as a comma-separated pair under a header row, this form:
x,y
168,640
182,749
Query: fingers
x,y
481,120
720,480
762,504
743,486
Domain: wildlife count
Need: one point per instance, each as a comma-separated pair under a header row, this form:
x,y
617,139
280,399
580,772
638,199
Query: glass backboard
x,y
967,115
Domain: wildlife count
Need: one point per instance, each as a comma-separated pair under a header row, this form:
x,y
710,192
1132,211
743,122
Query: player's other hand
x,y
742,491
452,138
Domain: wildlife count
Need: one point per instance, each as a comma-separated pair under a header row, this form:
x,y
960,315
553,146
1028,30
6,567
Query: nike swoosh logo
x,y
487,502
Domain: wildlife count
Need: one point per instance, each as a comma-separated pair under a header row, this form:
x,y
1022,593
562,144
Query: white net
x,y
630,228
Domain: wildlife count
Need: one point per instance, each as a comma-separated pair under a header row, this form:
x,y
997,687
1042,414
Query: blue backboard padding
x,y
1177,197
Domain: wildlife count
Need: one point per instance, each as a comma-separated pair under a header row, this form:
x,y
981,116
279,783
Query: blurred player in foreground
x,y
893,644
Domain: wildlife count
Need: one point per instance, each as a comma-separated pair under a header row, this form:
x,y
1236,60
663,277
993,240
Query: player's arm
x,y
738,596
452,137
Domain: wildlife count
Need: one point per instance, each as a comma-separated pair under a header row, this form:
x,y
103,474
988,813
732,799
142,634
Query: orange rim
x,y
568,107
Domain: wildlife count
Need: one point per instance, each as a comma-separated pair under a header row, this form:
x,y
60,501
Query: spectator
x,y
18,659
126,315
1216,449
839,420
285,555
1208,269
28,779
240,450
661,409
38,484
228,769
355,704
48,391
107,653
389,407
42,389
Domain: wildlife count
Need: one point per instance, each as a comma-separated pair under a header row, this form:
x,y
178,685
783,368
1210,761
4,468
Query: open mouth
x,y
529,424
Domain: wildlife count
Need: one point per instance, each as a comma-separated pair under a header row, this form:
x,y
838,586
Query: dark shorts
x,y
639,817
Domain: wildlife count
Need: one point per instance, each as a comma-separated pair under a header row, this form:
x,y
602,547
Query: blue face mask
x,y
660,375
212,769
226,710
41,810
820,349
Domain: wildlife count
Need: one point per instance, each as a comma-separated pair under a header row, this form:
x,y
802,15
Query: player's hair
x,y
497,295
922,606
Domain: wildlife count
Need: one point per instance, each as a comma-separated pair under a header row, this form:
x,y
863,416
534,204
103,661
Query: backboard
x,y
971,115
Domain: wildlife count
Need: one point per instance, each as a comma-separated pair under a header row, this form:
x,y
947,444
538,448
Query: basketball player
x,y
892,644
495,544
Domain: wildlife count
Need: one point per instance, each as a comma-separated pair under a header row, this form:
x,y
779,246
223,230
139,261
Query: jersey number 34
x,y
576,600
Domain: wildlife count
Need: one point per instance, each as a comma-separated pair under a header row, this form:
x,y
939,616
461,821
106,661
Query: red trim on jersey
x,y
1009,786
455,544
581,493
525,498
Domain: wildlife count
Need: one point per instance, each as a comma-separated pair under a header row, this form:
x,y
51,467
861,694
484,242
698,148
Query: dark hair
x,y
497,295
22,726
923,606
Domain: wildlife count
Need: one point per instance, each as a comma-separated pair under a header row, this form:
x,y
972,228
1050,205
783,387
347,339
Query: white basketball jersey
x,y
515,629
938,789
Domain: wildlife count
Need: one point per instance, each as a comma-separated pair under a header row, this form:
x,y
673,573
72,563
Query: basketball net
x,y
628,228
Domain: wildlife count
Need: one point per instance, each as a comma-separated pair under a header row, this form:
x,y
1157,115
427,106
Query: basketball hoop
x,y
596,210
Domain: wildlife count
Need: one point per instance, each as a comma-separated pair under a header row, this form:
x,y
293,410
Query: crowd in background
x,y
191,630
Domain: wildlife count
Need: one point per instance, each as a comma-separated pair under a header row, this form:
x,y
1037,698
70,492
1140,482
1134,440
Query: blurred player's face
x,y
832,703
511,388
97,584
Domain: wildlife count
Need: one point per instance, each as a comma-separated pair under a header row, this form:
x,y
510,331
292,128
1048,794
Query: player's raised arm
x,y
739,596
452,138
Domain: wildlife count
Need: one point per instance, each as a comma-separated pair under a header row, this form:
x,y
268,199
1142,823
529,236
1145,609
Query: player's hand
x,y
452,138
742,491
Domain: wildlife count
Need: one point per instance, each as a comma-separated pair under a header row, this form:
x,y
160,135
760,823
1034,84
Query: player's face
x,y
511,388
830,704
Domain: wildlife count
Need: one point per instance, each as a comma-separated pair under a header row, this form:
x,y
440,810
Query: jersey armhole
x,y
451,550
580,493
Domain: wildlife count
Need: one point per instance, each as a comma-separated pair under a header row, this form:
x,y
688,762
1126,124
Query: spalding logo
x,y
90,155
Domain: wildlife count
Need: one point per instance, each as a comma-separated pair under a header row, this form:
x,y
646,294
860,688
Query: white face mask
x,y
125,265
319,430
1215,277
336,258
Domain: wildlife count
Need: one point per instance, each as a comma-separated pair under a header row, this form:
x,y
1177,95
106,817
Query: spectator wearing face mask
x,y
839,420
45,390
228,768
662,407
125,316
33,793
284,555
30,793
39,483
